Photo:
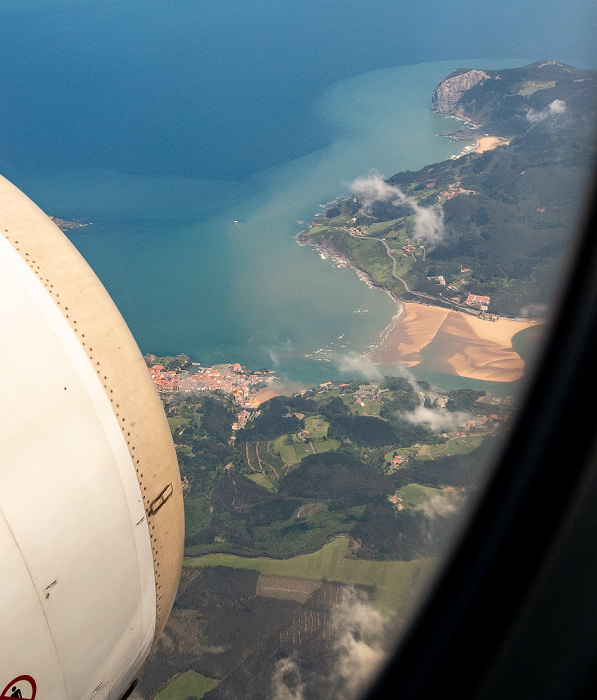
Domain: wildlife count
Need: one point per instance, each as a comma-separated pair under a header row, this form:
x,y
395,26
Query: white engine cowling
x,y
91,517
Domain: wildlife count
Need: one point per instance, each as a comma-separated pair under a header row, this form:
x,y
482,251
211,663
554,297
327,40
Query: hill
x,y
349,489
491,224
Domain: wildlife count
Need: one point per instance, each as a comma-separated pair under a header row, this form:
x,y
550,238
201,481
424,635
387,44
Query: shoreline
x,y
481,142
461,344
262,396
488,143
326,253
454,340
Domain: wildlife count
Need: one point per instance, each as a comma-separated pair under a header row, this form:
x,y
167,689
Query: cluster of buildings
x,y
366,392
168,381
409,248
232,379
478,301
455,189
478,422
243,418
327,386
396,501
397,462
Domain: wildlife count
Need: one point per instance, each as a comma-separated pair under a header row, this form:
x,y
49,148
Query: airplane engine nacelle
x,y
91,516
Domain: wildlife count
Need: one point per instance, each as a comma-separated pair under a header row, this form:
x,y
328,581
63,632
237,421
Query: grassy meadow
x,y
394,581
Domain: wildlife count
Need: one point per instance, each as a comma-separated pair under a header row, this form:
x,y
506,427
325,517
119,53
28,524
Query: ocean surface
x,y
197,142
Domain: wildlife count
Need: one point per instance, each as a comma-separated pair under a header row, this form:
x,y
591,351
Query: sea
x,y
195,140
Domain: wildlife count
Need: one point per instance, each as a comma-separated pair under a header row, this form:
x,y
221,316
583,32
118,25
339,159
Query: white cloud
x,y
364,637
286,681
352,363
557,107
553,109
429,222
273,356
534,311
437,418
361,640
442,504
214,650
373,188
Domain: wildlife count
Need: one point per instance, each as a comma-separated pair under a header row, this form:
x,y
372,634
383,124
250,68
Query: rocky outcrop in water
x,y
449,91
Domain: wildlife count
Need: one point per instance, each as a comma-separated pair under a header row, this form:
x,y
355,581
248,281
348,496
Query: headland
x,y
471,248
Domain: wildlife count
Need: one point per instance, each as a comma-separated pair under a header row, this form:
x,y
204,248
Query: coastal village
x,y
182,375
174,375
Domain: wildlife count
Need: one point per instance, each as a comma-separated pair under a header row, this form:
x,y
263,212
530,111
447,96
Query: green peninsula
x,y
487,230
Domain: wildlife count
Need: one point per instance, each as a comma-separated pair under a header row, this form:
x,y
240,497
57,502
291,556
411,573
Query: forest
x,y
330,461
341,473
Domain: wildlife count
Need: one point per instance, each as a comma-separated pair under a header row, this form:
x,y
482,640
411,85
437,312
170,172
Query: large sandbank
x,y
462,344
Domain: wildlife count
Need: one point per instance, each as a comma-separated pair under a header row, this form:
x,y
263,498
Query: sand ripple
x,y
462,344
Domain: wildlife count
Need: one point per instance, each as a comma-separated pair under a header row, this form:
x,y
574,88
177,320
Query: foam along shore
x,y
462,344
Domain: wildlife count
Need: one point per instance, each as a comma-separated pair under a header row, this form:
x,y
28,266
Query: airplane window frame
x,y
514,542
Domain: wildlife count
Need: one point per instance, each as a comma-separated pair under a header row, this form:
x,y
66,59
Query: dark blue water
x,y
164,123
221,89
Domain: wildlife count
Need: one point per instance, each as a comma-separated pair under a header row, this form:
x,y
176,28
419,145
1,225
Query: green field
x,y
415,494
189,684
292,450
262,480
379,228
371,408
454,446
326,445
291,453
397,582
317,427
177,422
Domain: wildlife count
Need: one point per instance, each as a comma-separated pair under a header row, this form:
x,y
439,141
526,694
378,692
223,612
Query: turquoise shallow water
x,y
164,123
211,268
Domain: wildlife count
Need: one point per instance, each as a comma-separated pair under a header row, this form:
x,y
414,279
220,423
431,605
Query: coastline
x,y
488,143
326,253
262,396
462,344
481,142
456,342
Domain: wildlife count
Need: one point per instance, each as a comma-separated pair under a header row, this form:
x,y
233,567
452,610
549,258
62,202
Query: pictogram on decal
x,y
20,687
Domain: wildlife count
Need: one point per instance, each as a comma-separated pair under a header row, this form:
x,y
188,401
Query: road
x,y
394,263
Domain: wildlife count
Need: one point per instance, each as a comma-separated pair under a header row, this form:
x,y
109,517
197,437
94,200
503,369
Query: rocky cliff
x,y
449,91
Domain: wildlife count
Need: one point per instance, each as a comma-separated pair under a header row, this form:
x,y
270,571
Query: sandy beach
x,y
464,345
488,143
262,396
